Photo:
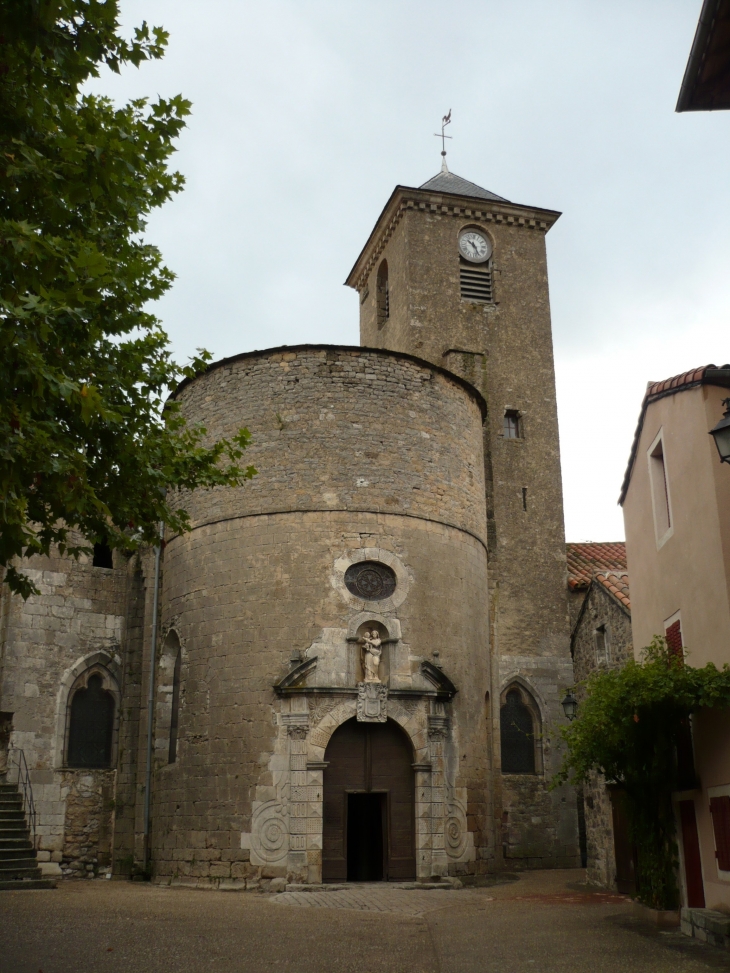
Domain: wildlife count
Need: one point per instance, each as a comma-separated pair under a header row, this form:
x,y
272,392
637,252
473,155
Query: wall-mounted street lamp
x,y
721,434
570,705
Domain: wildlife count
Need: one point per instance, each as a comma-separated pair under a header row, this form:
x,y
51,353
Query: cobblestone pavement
x,y
371,898
544,922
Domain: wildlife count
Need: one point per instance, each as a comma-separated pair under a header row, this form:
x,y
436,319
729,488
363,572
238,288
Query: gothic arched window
x,y
383,294
517,726
175,711
91,724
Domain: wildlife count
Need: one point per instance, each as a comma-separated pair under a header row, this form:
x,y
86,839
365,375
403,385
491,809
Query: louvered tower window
x,y
476,282
383,294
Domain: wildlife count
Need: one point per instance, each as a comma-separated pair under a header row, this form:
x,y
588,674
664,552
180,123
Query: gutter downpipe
x,y
151,702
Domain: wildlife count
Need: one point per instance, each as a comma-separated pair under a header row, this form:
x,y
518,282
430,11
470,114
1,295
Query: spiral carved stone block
x,y
455,830
270,833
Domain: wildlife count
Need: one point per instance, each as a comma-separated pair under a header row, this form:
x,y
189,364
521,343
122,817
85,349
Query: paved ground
x,y
542,923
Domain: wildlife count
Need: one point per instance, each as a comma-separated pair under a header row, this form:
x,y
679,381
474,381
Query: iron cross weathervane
x,y
446,120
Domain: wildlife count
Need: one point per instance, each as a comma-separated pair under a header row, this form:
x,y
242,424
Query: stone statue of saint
x,y
372,651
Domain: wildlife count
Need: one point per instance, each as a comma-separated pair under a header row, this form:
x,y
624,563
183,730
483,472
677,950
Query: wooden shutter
x,y
692,861
720,810
674,639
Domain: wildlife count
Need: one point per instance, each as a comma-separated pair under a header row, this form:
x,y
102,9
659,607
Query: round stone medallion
x,y
370,580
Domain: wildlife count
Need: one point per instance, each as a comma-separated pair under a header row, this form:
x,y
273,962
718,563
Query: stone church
x,y
354,662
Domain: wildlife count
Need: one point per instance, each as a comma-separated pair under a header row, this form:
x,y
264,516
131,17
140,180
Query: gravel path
x,y
545,922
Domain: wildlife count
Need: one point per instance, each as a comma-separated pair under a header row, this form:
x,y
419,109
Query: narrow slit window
x,y
602,648
175,713
476,282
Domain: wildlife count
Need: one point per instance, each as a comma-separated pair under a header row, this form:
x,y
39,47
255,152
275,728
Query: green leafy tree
x,y
89,443
629,724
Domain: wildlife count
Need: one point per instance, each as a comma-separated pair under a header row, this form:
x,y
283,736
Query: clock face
x,y
475,246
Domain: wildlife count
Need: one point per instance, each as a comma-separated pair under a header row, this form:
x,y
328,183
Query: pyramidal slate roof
x,y
449,182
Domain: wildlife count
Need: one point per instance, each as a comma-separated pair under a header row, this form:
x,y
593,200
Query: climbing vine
x,y
630,723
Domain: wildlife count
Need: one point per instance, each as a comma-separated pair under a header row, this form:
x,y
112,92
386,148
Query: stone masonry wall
x,y
357,453
600,608
78,615
343,428
505,349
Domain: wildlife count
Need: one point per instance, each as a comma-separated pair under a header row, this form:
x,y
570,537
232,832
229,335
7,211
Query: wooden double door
x,y
369,805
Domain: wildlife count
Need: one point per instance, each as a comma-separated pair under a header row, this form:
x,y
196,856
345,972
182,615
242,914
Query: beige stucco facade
x,y
678,552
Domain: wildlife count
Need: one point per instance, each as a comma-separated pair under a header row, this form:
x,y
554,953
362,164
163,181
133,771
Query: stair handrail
x,y
16,758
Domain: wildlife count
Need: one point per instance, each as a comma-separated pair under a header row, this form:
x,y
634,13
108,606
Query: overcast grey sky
x,y
306,114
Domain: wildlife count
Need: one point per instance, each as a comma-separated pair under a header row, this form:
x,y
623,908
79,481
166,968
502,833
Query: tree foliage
x,y
87,441
628,727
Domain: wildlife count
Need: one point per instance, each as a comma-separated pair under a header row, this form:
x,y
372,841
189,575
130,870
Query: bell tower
x,y
457,275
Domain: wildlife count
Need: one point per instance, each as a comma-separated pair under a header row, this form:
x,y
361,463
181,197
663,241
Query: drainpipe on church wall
x,y
151,701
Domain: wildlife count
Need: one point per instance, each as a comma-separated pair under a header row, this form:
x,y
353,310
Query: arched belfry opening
x,y
369,804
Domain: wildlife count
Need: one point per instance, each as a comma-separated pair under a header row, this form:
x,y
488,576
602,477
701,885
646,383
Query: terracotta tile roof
x,y
705,375
586,561
618,585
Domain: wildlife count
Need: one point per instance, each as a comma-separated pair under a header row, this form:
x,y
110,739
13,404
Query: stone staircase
x,y
18,865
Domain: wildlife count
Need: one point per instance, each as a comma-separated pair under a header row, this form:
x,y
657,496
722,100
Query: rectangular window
x,y
511,428
602,650
659,490
720,811
476,283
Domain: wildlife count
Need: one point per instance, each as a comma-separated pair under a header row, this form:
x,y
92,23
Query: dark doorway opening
x,y
365,837
369,804
623,846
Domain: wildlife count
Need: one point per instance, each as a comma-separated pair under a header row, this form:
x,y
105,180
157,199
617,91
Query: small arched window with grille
x,y
383,294
92,711
518,732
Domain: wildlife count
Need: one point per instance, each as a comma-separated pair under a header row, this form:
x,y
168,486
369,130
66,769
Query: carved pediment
x,y
295,676
437,676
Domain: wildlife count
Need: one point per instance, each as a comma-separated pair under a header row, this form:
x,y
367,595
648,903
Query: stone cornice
x,y
404,198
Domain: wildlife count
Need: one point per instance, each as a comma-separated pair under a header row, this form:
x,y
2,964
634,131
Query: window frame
x,y
512,415
108,684
661,496
530,703
165,698
604,658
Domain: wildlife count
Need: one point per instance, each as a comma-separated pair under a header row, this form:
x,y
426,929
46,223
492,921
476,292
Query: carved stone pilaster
x,y
438,731
438,727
